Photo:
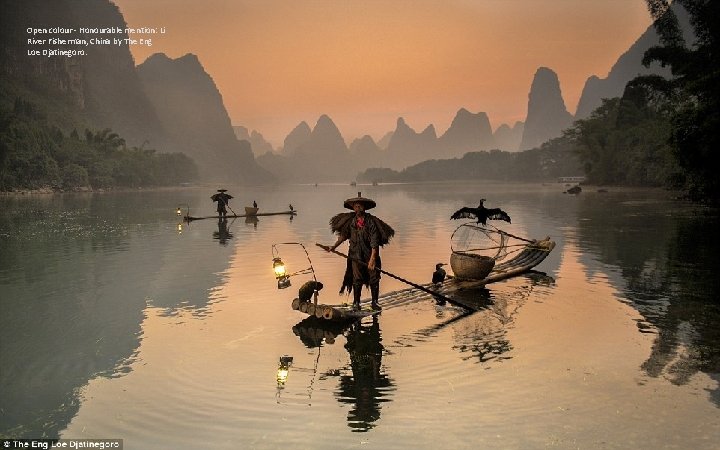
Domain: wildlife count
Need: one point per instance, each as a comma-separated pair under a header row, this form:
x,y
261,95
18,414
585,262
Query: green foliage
x,y
36,155
625,141
552,160
74,176
694,90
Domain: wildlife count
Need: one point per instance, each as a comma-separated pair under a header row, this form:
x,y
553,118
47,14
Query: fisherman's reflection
x,y
223,235
368,386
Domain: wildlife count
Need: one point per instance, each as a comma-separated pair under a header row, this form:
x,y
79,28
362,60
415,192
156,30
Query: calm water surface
x,y
117,324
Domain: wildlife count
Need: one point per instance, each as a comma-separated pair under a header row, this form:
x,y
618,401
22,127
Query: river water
x,y
119,323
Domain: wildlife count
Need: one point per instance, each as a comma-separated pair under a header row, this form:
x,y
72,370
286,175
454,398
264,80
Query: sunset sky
x,y
366,63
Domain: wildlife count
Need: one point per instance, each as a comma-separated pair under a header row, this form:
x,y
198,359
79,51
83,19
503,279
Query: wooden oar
x,y
415,285
228,205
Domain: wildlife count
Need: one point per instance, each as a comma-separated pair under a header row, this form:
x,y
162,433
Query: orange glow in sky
x,y
366,63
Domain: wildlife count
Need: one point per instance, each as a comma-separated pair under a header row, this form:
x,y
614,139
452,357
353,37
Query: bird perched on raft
x,y
439,275
308,289
481,213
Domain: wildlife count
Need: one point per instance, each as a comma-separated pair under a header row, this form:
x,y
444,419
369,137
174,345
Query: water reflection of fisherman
x,y
368,386
222,234
222,199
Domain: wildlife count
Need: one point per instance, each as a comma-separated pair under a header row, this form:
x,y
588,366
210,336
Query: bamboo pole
x,y
415,285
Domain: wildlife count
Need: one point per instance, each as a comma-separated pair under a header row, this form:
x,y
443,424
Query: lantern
x,y
283,279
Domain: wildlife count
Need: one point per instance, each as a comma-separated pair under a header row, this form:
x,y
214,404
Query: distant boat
x,y
353,183
234,216
574,190
251,211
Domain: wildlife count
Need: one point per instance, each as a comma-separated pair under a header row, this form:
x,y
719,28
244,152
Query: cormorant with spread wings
x,y
481,213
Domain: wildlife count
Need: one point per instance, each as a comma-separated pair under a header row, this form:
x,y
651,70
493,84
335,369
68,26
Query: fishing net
x,y
478,240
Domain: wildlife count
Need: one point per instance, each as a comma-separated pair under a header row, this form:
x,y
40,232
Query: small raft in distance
x,y
234,216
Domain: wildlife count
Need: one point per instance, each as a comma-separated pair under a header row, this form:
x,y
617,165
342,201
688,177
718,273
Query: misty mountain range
x,y
547,116
174,105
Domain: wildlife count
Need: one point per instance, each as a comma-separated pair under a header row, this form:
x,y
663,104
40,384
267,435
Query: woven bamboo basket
x,y
469,266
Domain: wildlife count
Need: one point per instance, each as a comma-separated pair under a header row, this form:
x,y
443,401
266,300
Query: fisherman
x,y
366,234
222,199
254,204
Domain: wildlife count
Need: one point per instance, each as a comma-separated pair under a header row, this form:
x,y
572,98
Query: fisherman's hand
x,y
371,264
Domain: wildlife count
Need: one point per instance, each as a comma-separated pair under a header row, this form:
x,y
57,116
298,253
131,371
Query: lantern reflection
x,y
284,369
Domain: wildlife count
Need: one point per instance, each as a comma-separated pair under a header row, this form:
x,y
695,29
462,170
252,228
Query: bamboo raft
x,y
529,257
336,313
235,216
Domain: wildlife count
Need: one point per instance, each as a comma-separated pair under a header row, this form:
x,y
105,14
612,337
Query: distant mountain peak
x,y
467,132
296,138
325,125
429,131
191,108
628,66
189,58
324,139
547,115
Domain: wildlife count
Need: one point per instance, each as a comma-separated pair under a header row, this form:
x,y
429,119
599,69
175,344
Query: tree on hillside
x,y
694,89
625,141
35,154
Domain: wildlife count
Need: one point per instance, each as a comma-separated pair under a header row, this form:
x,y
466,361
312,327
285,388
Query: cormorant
x,y
254,204
291,207
481,213
306,291
439,275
